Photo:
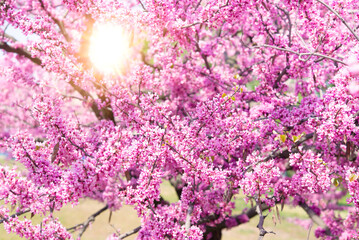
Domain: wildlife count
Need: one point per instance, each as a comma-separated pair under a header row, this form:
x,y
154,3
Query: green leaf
x,y
297,138
224,95
184,53
300,98
174,44
210,159
335,182
283,137
146,46
353,177
252,85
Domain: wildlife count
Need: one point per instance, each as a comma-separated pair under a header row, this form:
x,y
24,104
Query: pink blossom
x,y
353,88
217,100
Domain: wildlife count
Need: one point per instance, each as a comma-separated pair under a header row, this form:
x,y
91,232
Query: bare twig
x,y
206,20
24,53
83,226
133,231
179,154
262,231
302,54
59,23
8,36
310,228
143,6
250,213
289,25
215,110
315,218
77,146
284,153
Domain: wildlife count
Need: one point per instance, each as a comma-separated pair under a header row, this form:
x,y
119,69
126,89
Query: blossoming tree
x,y
217,97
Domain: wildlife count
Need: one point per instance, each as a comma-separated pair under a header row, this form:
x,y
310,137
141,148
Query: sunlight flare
x,y
110,48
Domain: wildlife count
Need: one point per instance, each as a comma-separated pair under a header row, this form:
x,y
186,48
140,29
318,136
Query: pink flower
x,y
243,218
353,65
353,88
231,222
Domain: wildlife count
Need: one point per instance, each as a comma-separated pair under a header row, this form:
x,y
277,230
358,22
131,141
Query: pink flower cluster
x,y
220,99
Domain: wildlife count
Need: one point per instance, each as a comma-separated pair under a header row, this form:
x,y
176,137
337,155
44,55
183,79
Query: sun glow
x,y
110,48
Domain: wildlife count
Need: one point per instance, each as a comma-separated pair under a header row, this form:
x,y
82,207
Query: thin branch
x,y
340,17
8,37
249,214
127,234
289,25
180,155
83,226
29,157
302,54
204,57
310,228
5,111
198,4
59,23
143,6
215,110
206,20
24,53
194,24
284,153
315,218
87,95
19,51
262,231
14,215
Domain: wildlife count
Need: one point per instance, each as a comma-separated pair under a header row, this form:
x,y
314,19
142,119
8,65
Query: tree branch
x,y
302,54
206,20
315,218
250,213
127,234
24,53
340,17
59,23
143,6
262,231
19,51
14,215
